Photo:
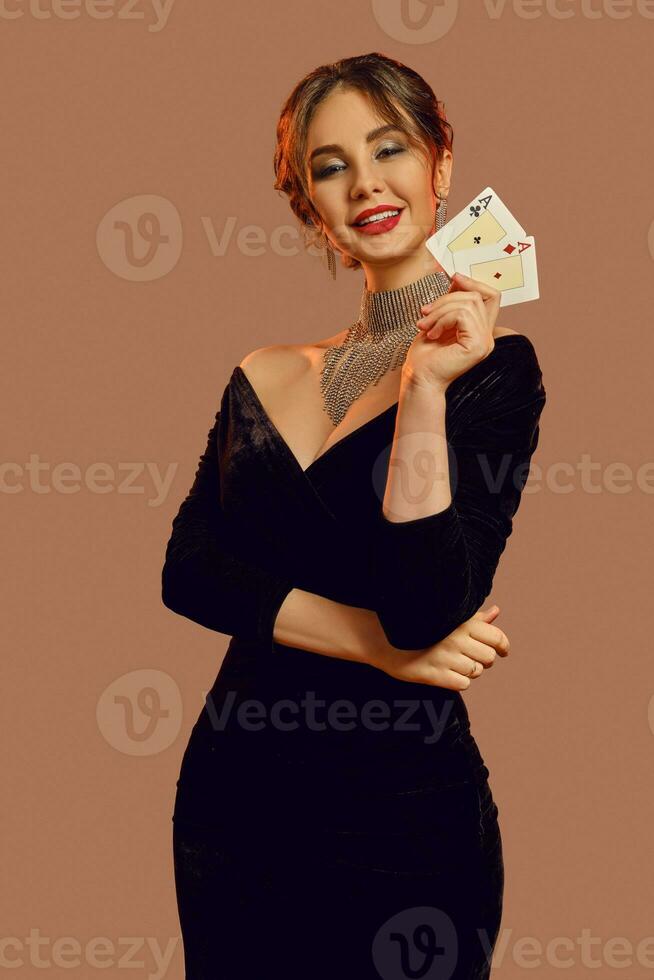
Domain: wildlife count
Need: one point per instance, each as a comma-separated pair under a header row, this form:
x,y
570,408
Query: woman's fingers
x,y
447,303
470,665
457,661
487,615
461,681
491,297
453,317
438,668
446,321
485,653
489,634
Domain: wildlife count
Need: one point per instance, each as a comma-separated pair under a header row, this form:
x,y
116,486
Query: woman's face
x,y
351,170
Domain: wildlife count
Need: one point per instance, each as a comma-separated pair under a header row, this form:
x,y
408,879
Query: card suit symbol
x,y
477,239
498,275
509,249
475,209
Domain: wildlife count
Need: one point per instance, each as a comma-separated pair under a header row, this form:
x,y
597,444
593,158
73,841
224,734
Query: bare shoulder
x,y
269,368
504,331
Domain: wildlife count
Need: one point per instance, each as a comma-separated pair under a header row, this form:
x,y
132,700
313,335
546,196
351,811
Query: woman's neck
x,y
398,309
384,278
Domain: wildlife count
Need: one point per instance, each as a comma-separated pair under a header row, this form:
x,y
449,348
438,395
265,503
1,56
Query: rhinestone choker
x,y
377,342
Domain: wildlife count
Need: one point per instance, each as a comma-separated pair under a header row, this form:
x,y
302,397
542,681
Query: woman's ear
x,y
443,173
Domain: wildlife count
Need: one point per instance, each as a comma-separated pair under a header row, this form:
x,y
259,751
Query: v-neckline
x,y
282,441
238,370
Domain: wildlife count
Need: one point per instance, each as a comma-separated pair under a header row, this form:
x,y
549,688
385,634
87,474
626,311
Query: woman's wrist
x,y
411,383
371,645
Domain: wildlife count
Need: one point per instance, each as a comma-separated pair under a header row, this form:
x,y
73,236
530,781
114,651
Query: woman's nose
x,y
365,182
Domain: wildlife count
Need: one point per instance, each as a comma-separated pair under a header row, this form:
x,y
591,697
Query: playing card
x,y
510,268
483,221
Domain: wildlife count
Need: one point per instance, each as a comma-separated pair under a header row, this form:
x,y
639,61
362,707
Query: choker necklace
x,y
377,342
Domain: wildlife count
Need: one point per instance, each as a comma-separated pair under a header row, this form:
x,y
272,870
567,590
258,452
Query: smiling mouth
x,y
380,216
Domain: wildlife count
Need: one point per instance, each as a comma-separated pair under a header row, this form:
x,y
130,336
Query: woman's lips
x,y
378,227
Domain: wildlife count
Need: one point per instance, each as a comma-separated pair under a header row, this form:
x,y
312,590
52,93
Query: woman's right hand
x,y
450,662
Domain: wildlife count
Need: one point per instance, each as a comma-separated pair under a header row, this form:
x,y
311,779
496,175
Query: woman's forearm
x,y
319,625
418,483
311,622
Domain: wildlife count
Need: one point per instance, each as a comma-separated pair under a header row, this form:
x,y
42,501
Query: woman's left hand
x,y
456,332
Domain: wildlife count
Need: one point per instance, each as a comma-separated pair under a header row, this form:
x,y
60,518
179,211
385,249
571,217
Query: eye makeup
x,y
384,153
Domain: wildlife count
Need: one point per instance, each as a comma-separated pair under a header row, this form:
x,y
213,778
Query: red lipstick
x,y
380,225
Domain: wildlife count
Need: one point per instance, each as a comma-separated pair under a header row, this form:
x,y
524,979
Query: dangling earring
x,y
331,258
440,216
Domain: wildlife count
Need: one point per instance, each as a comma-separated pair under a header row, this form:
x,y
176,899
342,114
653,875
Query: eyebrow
x,y
372,135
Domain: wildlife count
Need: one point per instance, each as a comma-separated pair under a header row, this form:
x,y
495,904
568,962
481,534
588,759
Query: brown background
x,y
106,361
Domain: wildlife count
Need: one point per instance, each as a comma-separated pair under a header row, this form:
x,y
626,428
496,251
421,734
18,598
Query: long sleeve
x,y
203,578
431,574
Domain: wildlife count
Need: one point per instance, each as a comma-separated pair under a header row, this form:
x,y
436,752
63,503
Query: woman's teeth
x,y
381,216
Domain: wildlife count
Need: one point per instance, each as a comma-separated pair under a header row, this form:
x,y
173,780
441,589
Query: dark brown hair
x,y
390,86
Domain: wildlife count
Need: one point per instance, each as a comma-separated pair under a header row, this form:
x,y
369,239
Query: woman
x,y
333,815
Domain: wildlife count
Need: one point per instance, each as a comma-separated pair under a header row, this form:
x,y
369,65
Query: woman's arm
x,y
202,577
314,623
204,580
434,553
319,625
418,483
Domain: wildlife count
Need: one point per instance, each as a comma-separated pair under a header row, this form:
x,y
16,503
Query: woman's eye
x,y
392,150
329,170
335,168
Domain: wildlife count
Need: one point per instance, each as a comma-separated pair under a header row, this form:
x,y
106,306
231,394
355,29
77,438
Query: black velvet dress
x,y
331,821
